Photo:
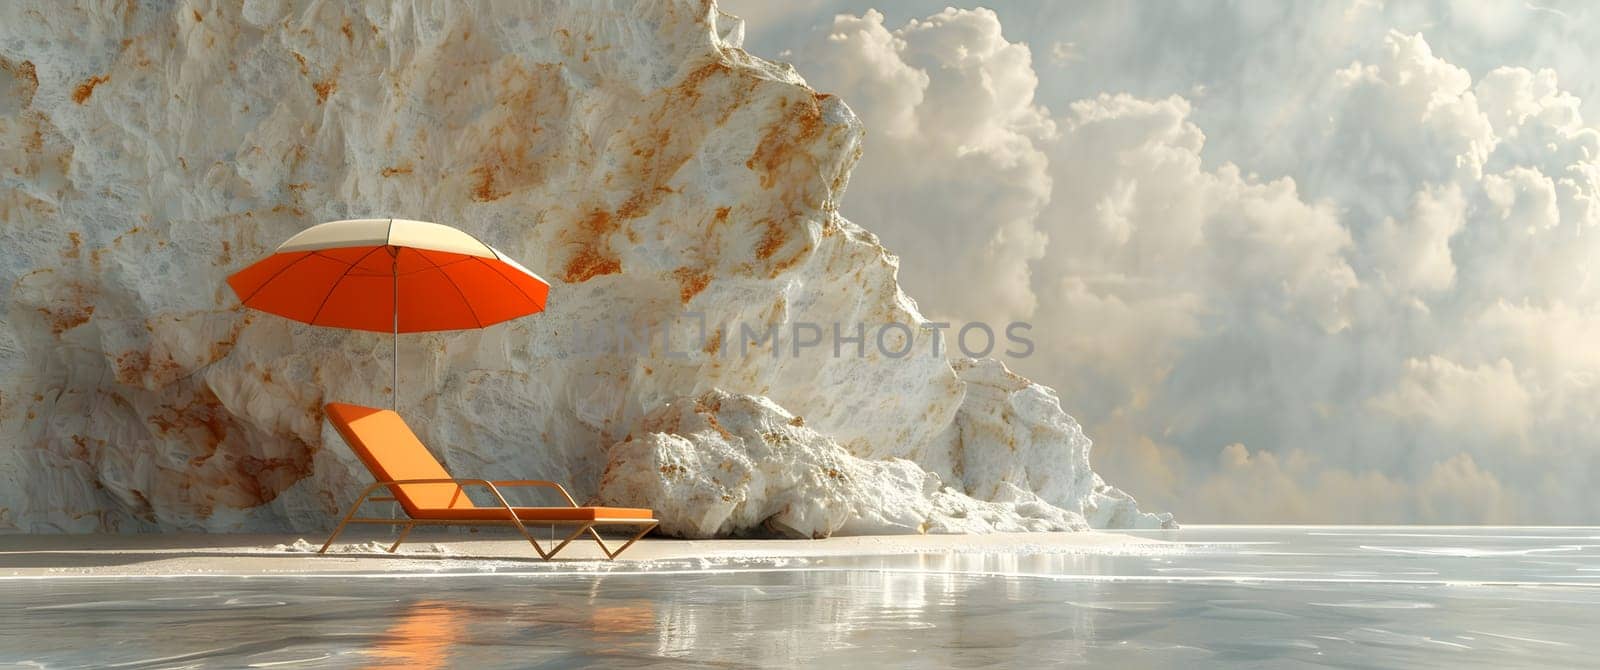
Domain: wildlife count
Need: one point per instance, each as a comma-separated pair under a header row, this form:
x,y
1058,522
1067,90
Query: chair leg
x,y
340,528
547,555
612,554
403,533
529,537
588,527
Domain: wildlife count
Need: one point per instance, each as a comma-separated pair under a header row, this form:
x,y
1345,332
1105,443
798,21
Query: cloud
x,y
1414,255
1262,487
953,158
1367,260
865,57
1062,53
1439,393
1514,98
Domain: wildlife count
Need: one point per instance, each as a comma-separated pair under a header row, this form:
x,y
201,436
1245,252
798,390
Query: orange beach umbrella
x,y
390,275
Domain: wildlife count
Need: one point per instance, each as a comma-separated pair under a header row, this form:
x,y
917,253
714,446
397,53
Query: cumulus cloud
x,y
1439,393
1414,255
1339,277
955,157
1404,99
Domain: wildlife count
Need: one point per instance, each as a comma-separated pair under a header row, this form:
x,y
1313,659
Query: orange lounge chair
x,y
430,496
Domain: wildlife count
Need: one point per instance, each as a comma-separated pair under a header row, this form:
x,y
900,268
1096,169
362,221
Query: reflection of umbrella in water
x,y
390,276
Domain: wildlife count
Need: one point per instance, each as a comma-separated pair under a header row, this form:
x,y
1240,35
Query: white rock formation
x,y
632,152
723,464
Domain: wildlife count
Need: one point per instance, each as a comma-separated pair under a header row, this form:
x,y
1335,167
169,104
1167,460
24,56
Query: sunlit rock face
x,y
630,152
721,464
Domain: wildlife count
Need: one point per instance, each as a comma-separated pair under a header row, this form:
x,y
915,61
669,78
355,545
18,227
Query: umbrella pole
x,y
394,340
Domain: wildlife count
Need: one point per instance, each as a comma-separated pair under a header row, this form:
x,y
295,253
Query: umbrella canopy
x,y
390,275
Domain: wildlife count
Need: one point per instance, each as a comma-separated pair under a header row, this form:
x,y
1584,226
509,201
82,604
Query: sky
x,y
1285,262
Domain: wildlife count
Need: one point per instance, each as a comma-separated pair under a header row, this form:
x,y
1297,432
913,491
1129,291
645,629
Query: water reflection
x,y
1324,600
422,638
777,618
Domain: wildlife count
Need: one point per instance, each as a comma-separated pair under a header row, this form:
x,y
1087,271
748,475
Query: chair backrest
x,y
392,452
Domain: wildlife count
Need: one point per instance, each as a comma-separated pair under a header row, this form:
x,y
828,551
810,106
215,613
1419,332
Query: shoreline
x,y
242,555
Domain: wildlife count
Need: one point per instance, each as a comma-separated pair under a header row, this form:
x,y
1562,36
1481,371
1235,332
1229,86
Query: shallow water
x,y
1225,597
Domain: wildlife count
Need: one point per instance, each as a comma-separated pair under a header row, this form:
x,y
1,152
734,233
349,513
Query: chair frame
x,y
408,523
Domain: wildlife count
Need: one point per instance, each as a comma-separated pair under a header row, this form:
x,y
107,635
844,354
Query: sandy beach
x,y
171,555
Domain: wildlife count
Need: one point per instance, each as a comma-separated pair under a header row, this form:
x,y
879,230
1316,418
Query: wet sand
x,y
175,555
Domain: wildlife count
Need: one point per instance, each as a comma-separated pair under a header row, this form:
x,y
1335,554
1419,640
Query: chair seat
x,y
537,514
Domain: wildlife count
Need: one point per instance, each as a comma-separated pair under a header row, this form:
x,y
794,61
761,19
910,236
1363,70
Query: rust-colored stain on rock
x,y
717,425
592,259
707,405
220,470
657,149
397,170
483,189
507,144
26,73
691,281
222,347
203,419
21,70
71,310
325,88
260,480
599,222
771,241
65,319
80,448
786,140
84,90
690,86
588,264
133,367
